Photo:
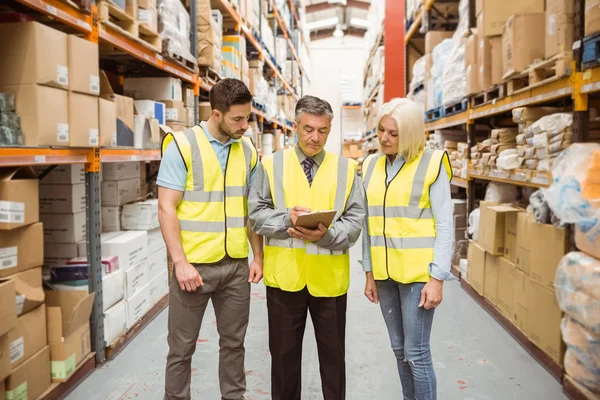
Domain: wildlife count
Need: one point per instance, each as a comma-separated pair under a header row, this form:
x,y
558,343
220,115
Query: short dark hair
x,y
228,92
314,106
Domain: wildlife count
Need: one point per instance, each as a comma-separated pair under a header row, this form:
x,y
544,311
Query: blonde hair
x,y
411,126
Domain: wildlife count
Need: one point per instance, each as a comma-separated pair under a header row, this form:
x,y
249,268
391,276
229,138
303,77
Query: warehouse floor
x,y
474,357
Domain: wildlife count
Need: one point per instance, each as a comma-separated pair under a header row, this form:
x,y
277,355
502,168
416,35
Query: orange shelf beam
x,y
61,12
122,155
20,156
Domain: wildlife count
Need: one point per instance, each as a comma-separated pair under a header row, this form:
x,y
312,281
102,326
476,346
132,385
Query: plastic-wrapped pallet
x,y
411,8
435,85
582,360
174,25
418,74
455,73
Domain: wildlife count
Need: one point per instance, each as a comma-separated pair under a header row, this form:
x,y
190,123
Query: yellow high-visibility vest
x,y
401,225
292,264
213,211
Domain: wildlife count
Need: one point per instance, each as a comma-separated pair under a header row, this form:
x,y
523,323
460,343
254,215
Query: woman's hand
x,y
431,295
371,288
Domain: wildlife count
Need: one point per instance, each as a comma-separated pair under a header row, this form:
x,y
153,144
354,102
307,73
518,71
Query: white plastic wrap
x,y
500,193
174,24
508,159
440,55
418,73
554,123
573,196
455,76
473,228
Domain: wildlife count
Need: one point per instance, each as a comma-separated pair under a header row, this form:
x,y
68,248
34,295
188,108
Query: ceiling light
x,y
338,32
322,23
360,22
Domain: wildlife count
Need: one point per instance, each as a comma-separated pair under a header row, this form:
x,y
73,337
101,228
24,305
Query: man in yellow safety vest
x,y
307,270
203,182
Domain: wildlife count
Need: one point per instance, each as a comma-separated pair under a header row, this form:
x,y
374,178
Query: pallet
x,y
208,74
591,51
115,17
541,73
434,115
126,337
151,38
456,108
490,95
184,61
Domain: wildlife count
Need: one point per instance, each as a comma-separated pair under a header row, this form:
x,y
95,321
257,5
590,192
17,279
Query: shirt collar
x,y
212,139
318,159
399,159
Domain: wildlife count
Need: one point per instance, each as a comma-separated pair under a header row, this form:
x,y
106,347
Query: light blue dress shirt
x,y
173,174
443,213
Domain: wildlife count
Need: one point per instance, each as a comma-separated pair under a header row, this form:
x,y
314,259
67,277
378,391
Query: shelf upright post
x,y
194,50
395,66
581,116
92,209
470,186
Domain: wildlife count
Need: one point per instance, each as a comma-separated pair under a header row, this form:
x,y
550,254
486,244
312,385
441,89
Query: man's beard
x,y
225,130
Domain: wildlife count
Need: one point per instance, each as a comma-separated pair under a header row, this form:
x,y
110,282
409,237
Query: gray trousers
x,y
226,284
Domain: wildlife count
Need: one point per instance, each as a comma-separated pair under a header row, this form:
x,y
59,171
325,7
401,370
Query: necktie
x,y
307,165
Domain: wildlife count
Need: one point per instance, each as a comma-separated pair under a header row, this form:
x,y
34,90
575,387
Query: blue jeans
x,y
409,327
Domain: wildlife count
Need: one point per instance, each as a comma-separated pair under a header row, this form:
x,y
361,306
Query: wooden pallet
x,y
434,114
487,96
540,73
115,17
152,39
208,74
456,108
184,61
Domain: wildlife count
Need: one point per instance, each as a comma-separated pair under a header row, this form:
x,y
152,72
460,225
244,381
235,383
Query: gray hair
x,y
314,106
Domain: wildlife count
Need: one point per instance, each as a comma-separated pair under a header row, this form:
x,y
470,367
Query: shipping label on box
x,y
62,199
64,228
19,204
21,249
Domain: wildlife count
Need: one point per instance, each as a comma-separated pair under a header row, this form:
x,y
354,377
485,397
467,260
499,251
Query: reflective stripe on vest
x,y
292,264
400,220
212,212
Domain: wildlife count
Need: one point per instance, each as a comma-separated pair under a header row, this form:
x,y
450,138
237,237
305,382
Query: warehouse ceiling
x,y
324,17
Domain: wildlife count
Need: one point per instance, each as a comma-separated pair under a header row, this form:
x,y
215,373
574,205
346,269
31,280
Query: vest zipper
x,y
225,200
387,185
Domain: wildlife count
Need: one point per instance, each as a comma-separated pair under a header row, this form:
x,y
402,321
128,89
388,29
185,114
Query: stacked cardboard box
x,y
63,213
188,102
121,185
209,37
559,27
24,352
461,242
519,54
116,116
592,17
512,265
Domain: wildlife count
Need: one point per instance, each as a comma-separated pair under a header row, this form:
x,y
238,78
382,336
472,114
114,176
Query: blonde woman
x,y
408,239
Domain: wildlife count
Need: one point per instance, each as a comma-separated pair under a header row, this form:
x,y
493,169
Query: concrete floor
x,y
474,358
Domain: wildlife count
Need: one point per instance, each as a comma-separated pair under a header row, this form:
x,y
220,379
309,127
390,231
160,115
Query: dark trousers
x,y
287,321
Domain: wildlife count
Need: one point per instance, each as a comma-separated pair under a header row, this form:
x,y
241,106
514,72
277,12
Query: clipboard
x,y
312,220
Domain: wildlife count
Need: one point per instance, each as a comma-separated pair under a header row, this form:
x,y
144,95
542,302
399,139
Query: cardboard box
x,y
547,249
507,277
484,62
476,271
130,247
559,33
107,123
31,379
62,199
136,278
157,262
592,17
524,242
21,249
62,174
113,289
189,117
560,7
111,219
124,107
44,113
64,228
188,96
146,133
521,301
544,322
510,236
8,307
174,127
153,88
159,287
494,13
68,316
59,254
37,55
588,243
138,305
204,111
523,41
433,38
155,240
492,226
28,337
115,322
29,293
84,73
175,110
492,271
140,216
19,192
120,171
150,110
117,193
5,366
496,67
